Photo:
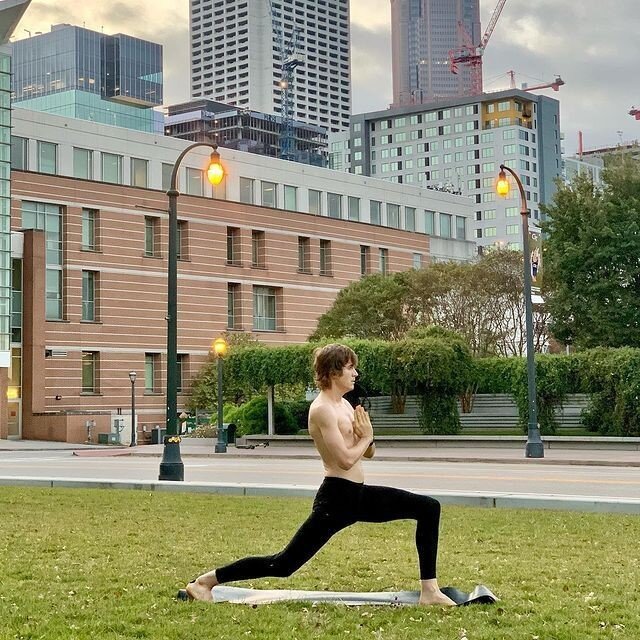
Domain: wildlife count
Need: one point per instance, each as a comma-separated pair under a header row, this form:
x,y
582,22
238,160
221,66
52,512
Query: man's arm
x,y
333,440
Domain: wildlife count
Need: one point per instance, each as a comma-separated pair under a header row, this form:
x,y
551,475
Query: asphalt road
x,y
468,477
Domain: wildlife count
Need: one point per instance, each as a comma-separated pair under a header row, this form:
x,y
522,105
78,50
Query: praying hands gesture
x,y
363,429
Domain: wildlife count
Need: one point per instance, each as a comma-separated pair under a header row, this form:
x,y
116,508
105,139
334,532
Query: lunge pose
x,y
343,436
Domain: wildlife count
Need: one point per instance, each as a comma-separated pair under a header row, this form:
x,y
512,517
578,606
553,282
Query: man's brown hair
x,y
329,360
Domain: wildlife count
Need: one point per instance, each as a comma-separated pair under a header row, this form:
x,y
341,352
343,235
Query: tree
x,y
592,259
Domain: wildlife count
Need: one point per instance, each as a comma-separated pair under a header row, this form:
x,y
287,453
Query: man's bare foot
x,y
200,588
436,598
430,594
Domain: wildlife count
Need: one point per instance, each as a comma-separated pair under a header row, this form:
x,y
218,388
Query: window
x,y
461,228
383,261
393,215
304,254
269,194
182,370
82,163
246,190
195,182
139,173
490,232
19,153
354,208
167,170
429,222
151,372
375,209
445,225
89,230
47,157
183,240
264,308
410,218
315,202
513,229
511,212
151,236
365,258
257,249
89,372
325,257
89,280
111,168
233,245
334,205
417,260
233,305
290,198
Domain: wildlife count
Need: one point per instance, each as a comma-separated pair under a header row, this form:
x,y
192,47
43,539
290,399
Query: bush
x,y
252,418
300,411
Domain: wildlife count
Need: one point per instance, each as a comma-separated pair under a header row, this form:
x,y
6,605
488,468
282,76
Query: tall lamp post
x,y
171,467
534,447
132,377
220,348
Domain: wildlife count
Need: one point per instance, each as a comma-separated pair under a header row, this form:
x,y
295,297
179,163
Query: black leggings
x,y
338,504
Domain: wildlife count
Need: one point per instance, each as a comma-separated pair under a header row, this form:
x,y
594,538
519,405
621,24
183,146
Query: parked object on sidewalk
x,y
238,595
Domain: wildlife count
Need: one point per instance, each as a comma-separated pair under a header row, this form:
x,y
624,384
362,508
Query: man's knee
x,y
431,506
281,567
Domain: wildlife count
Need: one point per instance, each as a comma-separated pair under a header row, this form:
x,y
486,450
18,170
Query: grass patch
x,y
78,564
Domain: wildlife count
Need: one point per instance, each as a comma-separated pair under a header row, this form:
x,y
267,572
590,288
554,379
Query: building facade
x,y
244,129
75,72
457,146
236,59
266,251
422,34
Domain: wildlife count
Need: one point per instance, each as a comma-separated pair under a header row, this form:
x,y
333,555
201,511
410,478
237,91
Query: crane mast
x,y
289,60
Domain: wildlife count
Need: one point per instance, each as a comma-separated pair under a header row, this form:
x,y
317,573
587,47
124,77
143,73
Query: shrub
x,y
252,418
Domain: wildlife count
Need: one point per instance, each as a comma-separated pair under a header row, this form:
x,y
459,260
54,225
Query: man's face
x,y
347,379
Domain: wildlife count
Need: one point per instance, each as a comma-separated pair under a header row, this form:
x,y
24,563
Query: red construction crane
x,y
470,54
635,113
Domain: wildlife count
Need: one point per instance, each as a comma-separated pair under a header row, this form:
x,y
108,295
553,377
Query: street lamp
x,y
171,467
534,447
132,377
220,348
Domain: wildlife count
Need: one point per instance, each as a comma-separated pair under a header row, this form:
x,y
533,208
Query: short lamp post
x,y
534,447
132,377
220,348
171,466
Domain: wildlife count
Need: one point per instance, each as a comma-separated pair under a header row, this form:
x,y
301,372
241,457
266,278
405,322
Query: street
x,y
467,477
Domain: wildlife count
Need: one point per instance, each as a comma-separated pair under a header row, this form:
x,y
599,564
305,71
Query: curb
x,y
492,500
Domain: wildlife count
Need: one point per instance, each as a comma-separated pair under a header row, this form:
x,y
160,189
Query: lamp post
x,y
534,447
171,467
220,348
132,378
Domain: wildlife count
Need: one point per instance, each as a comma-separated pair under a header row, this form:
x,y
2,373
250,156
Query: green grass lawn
x,y
106,564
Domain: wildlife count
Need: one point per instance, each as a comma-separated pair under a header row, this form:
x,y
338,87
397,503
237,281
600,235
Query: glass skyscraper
x,y
79,73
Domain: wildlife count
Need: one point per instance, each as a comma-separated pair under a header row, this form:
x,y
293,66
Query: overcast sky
x,y
593,44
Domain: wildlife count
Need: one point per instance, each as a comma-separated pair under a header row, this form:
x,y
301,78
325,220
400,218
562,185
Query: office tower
x,y
236,58
422,34
79,73
457,145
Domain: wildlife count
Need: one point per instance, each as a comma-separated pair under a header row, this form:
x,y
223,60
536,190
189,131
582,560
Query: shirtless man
x,y
343,436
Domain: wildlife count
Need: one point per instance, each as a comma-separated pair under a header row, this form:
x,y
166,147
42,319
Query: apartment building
x,y
457,145
266,251
236,57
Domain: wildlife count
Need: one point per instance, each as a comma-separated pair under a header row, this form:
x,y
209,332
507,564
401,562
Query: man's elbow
x,y
345,463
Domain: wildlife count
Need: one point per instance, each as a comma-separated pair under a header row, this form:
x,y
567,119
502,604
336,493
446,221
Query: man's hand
x,y
362,426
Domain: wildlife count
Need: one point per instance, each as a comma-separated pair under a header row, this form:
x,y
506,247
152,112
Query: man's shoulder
x,y
321,410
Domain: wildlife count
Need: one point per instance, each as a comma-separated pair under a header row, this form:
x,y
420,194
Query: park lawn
x,y
105,564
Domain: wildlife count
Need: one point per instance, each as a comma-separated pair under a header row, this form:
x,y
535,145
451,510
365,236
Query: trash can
x,y
157,435
230,428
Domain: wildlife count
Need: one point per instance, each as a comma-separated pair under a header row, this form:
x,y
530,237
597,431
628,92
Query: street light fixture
x,y
132,377
171,466
534,447
220,348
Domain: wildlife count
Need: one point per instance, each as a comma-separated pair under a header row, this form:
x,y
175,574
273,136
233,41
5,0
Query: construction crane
x,y
289,60
470,54
555,84
635,113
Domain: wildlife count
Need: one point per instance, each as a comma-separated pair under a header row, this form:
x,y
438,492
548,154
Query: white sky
x,y
593,44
